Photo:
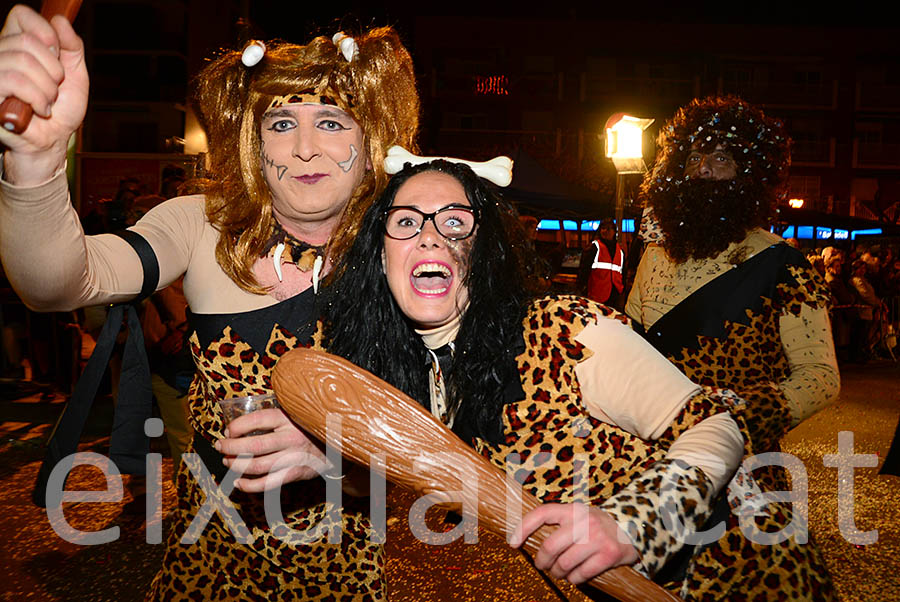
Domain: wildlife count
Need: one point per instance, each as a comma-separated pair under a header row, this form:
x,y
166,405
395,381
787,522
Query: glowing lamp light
x,y
796,203
624,142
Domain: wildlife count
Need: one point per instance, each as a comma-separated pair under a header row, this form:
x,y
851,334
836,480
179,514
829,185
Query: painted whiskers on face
x,y
312,159
280,170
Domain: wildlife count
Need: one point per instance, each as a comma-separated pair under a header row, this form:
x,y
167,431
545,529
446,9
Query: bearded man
x,y
735,307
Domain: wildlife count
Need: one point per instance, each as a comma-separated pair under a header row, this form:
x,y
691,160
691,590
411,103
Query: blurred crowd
x,y
51,348
865,289
131,201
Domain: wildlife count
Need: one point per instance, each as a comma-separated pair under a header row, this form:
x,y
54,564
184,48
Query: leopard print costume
x,y
269,566
743,352
566,455
748,357
562,454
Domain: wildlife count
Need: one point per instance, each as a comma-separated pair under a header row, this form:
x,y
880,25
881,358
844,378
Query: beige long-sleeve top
x,y
53,266
660,285
626,382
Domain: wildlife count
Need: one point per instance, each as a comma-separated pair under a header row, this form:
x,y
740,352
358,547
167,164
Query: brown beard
x,y
700,218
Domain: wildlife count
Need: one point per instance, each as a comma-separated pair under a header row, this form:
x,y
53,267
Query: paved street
x,y
39,565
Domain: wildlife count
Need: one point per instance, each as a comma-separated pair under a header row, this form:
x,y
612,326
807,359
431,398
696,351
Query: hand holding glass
x,y
238,406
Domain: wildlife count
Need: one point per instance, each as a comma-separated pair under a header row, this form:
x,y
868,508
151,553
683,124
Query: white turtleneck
x,y
435,338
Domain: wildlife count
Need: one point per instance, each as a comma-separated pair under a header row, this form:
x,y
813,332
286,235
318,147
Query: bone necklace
x,y
282,247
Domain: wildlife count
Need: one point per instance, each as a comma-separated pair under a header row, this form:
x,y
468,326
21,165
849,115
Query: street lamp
x,y
624,145
796,203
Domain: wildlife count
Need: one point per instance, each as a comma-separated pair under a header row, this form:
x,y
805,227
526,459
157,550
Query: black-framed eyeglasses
x,y
453,222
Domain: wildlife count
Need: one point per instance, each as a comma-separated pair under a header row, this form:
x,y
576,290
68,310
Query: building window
x,y
541,121
807,188
538,64
869,133
465,121
738,77
808,77
625,69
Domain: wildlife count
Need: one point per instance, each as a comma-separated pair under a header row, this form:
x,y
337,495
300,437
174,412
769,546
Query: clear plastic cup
x,y
238,406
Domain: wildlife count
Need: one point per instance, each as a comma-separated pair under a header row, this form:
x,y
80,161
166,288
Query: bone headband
x,y
498,170
255,49
310,96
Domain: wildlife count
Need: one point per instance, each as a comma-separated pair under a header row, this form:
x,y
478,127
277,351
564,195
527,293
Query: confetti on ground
x,y
38,565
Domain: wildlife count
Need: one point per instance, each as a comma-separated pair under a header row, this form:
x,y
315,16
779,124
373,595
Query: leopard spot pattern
x,y
269,565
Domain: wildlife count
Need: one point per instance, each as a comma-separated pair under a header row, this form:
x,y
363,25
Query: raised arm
x,y
53,266
49,261
41,243
42,64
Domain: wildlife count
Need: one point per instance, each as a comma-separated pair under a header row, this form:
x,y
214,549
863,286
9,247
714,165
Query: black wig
x,y
364,324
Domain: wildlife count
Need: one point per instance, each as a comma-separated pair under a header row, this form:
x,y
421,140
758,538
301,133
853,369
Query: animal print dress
x,y
560,453
235,354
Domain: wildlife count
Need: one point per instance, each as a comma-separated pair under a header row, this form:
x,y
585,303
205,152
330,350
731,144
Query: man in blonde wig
x,y
296,136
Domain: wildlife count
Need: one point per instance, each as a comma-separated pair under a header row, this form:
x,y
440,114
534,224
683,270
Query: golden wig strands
x,y
377,89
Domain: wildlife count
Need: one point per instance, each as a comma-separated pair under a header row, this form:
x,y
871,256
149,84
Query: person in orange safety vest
x,y
600,271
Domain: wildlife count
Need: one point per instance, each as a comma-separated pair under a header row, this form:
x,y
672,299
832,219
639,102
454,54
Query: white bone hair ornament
x,y
498,170
346,45
253,53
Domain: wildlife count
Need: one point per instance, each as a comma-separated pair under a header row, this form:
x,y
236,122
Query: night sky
x,y
284,20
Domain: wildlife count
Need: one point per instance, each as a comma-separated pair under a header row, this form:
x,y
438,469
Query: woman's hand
x,y
283,455
42,64
587,542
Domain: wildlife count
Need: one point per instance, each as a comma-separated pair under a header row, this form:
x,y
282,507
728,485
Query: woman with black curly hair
x,y
455,317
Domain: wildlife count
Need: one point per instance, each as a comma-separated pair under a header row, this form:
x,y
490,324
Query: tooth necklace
x,y
276,260
302,254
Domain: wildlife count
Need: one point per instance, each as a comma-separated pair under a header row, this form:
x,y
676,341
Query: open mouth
x,y
431,278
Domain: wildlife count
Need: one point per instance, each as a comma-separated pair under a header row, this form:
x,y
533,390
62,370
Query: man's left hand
x,y
283,454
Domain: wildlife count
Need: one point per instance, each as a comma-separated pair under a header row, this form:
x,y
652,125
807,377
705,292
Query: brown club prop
x,y
377,419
